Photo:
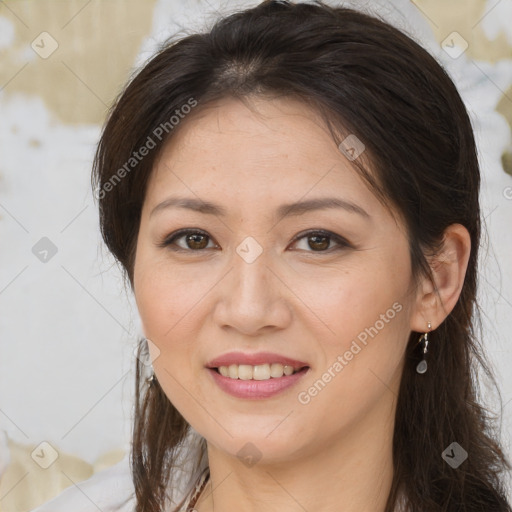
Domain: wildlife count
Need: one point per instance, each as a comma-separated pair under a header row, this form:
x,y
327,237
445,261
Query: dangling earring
x,y
152,378
422,366
147,362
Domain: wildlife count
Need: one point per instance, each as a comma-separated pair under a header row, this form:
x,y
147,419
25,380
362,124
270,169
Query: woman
x,y
293,197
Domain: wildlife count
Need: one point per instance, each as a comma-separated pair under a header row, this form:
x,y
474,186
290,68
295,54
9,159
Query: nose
x,y
253,298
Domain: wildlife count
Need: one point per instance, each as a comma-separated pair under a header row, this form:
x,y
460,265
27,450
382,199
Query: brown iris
x,y
319,245
194,237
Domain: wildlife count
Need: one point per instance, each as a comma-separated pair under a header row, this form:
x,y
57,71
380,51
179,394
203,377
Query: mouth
x,y
258,372
256,376
258,382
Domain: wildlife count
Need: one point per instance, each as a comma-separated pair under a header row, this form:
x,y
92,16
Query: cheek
x,y
366,316
166,302
360,361
163,295
152,301
349,301
170,303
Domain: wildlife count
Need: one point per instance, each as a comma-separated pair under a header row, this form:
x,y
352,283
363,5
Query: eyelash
x,y
169,240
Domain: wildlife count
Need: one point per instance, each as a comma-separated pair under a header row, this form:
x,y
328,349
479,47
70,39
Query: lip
x,y
254,359
256,389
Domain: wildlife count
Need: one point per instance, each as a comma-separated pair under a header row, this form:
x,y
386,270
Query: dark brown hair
x,y
366,78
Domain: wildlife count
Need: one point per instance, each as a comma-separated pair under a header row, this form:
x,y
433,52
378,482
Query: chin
x,y
256,446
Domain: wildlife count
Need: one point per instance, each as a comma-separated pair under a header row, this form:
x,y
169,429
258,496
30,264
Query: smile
x,y
252,387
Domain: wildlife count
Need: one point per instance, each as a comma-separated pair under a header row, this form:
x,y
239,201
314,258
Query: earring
x,y
422,366
150,380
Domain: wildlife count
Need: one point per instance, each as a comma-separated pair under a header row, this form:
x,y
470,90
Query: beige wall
x,y
97,45
466,17
98,41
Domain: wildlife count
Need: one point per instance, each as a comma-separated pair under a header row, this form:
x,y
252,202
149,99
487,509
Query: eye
x,y
320,240
194,240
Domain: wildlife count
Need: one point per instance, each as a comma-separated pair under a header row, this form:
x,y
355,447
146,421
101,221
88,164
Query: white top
x,y
108,490
112,490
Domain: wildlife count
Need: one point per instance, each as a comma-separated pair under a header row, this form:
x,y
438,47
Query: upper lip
x,y
254,359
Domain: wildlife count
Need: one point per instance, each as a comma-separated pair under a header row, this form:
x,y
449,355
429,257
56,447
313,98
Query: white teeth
x,y
261,372
257,372
233,371
245,372
276,370
288,370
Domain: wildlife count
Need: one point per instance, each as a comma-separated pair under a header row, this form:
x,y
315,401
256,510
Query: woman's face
x,y
256,277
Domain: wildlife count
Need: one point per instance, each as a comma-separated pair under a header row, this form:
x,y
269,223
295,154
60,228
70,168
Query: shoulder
x,y
110,490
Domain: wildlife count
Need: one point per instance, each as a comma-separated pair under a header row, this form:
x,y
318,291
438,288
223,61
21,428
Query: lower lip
x,y
256,389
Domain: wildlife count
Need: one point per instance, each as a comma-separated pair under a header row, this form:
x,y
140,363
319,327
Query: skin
x,y
298,298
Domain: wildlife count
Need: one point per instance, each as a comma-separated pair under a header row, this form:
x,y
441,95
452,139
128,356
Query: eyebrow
x,y
285,210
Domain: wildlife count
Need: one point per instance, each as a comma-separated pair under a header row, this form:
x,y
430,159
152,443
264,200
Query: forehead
x,y
260,148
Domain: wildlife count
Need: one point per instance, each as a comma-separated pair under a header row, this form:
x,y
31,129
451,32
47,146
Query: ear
x,y
434,304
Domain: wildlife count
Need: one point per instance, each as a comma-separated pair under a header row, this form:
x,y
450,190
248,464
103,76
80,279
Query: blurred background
x,y
68,327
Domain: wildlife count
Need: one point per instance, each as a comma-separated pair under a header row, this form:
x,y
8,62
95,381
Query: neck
x,y
352,472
